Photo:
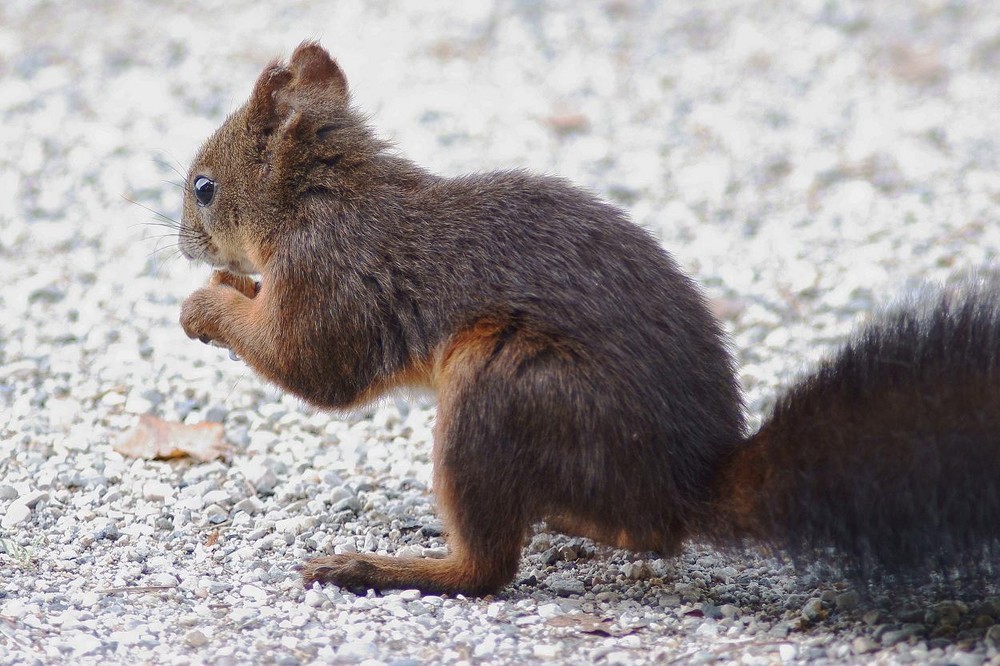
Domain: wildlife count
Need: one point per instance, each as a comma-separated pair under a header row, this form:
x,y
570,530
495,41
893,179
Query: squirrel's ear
x,y
314,68
263,106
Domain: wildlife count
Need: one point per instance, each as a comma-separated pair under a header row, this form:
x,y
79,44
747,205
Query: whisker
x,y
176,244
163,224
177,240
170,166
158,223
172,253
155,212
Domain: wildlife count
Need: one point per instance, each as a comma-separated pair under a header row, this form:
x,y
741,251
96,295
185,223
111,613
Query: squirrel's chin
x,y
236,267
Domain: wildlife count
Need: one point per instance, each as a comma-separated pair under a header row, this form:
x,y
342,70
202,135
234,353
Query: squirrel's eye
x,y
204,190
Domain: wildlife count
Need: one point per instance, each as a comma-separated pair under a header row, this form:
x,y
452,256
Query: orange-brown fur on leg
x,y
615,536
485,521
244,284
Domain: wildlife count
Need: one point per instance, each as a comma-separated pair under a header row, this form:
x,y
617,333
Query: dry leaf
x,y
155,438
585,624
569,123
212,539
591,624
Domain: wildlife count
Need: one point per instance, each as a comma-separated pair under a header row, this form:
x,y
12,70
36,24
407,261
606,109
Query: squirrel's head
x,y
295,139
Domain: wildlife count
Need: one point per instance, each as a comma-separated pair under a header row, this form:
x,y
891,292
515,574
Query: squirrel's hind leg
x,y
485,483
484,537
663,543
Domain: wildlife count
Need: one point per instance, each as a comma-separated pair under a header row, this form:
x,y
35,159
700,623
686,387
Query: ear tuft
x,y
263,105
313,68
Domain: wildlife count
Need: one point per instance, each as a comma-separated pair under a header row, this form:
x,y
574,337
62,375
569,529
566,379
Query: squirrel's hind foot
x,y
449,575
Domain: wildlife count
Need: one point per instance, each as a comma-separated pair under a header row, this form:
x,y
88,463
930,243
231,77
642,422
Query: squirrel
x,y
581,378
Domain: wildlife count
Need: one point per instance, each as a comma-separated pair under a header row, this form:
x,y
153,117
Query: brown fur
x,y
529,306
580,375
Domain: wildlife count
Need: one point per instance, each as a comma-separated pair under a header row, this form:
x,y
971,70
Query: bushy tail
x,y
886,460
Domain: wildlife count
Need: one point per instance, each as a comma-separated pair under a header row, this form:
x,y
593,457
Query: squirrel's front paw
x,y
199,318
242,283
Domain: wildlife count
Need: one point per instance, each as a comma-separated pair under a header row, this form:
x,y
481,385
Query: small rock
x,y
780,630
813,610
340,493
347,504
154,397
106,529
568,554
32,498
945,612
8,492
90,598
863,645
712,611
250,506
725,574
137,404
156,491
967,659
216,497
548,611
485,647
432,529
215,514
16,514
848,600
163,579
261,478
85,644
890,638
195,638
294,525
253,593
546,651
343,548
565,586
670,601
635,570
442,551
550,556
622,657
359,650
315,598
707,628
728,610
216,414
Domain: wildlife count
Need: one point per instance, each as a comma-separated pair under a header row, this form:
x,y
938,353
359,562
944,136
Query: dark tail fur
x,y
885,460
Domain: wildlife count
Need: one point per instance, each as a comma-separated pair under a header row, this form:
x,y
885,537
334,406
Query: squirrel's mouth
x,y
208,253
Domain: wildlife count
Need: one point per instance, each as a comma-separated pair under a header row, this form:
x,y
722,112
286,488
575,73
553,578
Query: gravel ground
x,y
805,160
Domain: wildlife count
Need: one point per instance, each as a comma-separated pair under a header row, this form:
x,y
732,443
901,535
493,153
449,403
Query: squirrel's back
x,y
887,457
647,400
